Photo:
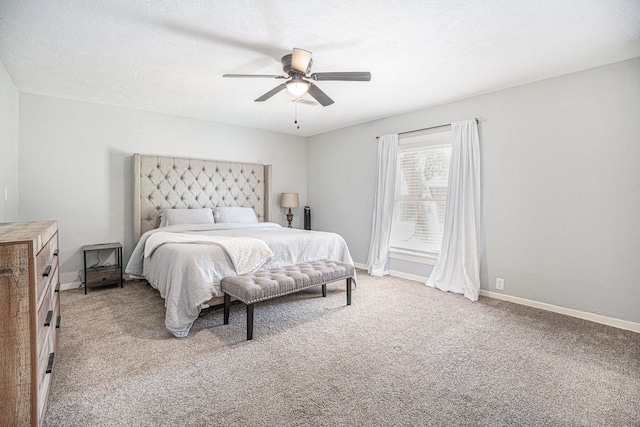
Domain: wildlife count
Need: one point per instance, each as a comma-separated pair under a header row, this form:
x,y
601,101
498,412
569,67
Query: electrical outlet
x,y
500,284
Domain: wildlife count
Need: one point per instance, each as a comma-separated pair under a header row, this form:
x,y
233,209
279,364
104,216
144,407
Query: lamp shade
x,y
289,200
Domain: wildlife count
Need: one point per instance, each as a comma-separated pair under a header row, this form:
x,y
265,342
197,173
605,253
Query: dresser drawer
x,y
44,371
54,287
104,275
46,265
45,320
57,319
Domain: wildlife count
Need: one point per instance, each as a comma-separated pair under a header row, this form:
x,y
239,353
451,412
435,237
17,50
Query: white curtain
x,y
458,267
378,260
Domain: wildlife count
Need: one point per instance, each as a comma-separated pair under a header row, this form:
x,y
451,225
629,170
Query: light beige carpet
x,y
402,355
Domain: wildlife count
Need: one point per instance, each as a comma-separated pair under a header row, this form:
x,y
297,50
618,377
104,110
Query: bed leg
x,y
227,306
324,290
349,279
250,321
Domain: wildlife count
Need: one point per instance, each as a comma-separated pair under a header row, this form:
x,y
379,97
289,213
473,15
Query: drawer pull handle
x,y
47,321
50,363
47,271
58,322
56,252
57,287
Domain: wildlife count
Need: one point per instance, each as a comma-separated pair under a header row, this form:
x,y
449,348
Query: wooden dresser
x,y
29,319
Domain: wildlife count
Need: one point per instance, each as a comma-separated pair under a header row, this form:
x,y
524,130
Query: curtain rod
x,y
477,119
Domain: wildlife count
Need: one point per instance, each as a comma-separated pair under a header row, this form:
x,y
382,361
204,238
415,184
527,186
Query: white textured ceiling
x,y
169,56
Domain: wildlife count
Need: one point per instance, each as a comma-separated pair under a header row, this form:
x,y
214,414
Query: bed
x,y
197,221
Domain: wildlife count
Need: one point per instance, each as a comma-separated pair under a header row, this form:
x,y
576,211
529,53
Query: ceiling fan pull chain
x,y
296,118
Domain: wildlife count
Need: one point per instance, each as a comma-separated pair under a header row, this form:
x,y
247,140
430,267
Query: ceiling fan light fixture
x,y
300,60
298,87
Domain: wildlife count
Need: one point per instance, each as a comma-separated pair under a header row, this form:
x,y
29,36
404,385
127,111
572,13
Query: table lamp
x,y
289,200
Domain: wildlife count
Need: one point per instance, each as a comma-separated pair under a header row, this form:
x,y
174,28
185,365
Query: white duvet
x,y
246,253
188,273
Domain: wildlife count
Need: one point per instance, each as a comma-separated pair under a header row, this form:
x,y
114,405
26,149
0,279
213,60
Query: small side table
x,y
103,274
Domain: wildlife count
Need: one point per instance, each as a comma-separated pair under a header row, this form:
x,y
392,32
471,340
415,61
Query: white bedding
x,y
189,274
246,253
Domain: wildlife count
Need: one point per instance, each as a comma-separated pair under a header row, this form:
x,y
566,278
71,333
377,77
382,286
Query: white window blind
x,y
421,194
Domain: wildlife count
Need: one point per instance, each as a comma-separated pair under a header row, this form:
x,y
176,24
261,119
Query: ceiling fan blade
x,y
347,76
300,60
250,76
319,95
271,93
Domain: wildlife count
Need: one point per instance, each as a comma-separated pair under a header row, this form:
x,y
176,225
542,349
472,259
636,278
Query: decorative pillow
x,y
234,214
186,216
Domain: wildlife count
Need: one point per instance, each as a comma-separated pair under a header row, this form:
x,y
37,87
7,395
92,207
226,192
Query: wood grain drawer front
x,y
44,372
54,287
46,265
45,320
105,275
57,319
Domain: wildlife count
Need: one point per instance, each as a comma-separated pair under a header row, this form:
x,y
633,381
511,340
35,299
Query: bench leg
x,y
349,279
227,306
324,290
250,321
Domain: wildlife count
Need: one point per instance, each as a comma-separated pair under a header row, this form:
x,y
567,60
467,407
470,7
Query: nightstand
x,y
99,275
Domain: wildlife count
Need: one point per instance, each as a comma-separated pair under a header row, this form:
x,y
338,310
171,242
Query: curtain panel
x,y
378,260
458,267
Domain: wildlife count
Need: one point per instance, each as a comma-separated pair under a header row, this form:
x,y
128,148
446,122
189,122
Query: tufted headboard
x,y
173,182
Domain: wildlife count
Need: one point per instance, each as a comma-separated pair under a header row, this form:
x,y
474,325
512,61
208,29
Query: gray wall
x,y
561,190
8,147
75,165
561,178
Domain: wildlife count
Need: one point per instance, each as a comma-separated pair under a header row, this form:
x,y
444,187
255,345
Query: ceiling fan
x,y
297,66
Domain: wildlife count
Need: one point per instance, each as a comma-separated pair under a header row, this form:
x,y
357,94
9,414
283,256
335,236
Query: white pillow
x,y
234,214
186,216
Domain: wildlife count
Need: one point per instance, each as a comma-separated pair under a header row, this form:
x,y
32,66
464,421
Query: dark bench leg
x,y
324,290
250,321
227,306
349,279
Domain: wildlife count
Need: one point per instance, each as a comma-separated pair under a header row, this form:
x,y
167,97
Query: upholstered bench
x,y
263,285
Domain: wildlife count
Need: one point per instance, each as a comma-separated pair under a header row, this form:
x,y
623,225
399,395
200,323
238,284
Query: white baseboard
x,y
359,265
408,276
395,273
597,318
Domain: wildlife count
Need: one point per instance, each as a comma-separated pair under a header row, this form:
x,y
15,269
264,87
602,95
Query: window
x,y
421,196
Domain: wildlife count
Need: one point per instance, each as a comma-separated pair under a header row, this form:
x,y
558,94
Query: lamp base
x,y
290,217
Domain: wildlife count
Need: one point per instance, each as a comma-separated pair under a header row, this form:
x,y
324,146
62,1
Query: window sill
x,y
417,257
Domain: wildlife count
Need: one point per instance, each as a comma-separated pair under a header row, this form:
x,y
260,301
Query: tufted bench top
x,y
266,284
